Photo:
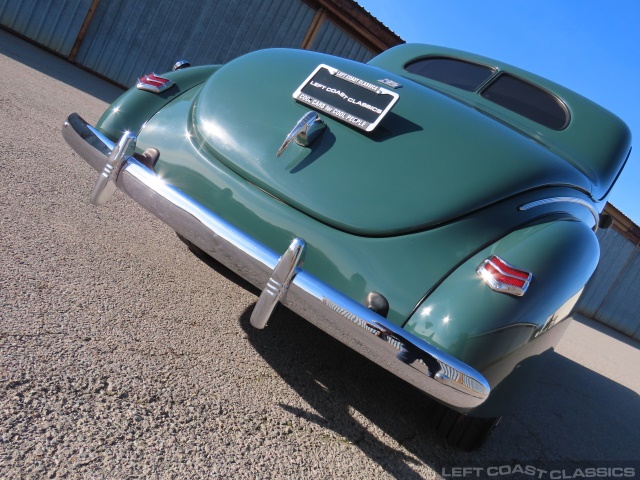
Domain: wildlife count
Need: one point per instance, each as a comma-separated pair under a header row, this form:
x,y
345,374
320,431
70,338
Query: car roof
x,y
595,141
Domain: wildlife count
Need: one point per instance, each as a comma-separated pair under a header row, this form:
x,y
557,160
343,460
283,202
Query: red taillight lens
x,y
153,83
502,277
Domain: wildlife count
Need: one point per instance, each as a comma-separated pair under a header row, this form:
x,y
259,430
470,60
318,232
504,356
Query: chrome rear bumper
x,y
438,374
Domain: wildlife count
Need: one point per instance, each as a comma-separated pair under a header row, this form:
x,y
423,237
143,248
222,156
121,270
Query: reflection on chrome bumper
x,y
435,372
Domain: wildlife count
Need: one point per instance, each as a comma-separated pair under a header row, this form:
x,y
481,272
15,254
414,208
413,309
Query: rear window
x,y
457,73
528,100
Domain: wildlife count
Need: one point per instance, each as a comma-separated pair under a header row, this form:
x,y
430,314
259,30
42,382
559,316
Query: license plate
x,y
345,97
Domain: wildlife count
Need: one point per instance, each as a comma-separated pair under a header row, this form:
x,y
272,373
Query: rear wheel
x,y
462,431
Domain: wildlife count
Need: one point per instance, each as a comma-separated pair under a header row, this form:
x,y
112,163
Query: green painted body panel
x,y
596,141
431,160
134,107
409,210
494,332
403,268
562,256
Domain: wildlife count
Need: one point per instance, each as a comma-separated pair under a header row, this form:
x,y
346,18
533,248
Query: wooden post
x,y
314,28
83,31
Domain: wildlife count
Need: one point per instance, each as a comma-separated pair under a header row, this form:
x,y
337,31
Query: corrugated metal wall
x,y
123,44
612,296
335,41
126,38
52,23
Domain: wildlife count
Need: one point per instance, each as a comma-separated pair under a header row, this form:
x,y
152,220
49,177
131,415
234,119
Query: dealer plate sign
x,y
345,97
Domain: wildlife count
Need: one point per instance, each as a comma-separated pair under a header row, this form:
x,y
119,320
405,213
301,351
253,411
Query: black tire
x,y
462,431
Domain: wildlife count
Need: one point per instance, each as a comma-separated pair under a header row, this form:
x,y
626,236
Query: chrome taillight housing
x,y
153,83
503,277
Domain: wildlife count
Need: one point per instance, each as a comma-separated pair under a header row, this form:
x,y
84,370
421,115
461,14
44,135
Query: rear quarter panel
x,y
134,107
498,334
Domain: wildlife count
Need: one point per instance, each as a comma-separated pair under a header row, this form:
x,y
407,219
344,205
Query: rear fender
x,y
496,332
134,107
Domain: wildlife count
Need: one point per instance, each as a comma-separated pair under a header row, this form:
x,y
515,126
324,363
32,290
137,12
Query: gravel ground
x,y
122,355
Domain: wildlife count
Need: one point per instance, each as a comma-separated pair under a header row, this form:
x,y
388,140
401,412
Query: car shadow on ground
x,y
575,416
572,416
56,67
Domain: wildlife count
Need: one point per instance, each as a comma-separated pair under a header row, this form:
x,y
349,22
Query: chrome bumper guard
x,y
435,372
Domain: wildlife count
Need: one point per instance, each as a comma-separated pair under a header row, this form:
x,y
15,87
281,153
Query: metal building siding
x,y
335,41
127,39
614,255
52,23
621,308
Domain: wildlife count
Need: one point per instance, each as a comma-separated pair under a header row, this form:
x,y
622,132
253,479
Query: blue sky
x,y
592,47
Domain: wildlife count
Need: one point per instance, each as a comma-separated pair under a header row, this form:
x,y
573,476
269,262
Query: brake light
x,y
153,83
502,277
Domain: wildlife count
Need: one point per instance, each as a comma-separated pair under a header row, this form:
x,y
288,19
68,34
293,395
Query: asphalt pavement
x,y
122,355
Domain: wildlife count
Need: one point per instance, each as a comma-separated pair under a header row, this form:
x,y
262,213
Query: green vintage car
x,y
432,209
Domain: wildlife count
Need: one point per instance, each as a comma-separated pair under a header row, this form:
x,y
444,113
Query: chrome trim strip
x,y
546,201
431,370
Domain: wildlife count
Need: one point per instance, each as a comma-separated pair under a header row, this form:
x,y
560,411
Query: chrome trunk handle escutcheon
x,y
308,128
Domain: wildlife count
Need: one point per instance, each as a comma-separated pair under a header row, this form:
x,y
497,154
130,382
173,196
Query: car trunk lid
x,y
430,160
